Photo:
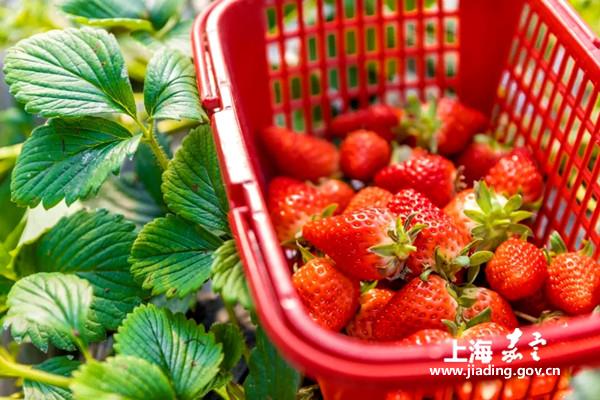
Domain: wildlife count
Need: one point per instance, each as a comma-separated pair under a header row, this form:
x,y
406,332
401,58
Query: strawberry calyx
x,y
402,236
447,268
496,217
558,246
421,122
465,296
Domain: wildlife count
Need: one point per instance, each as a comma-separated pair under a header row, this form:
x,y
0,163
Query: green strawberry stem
x,y
526,317
16,370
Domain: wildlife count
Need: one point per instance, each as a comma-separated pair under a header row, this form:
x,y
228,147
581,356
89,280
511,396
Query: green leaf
x,y
94,246
121,378
188,355
173,256
69,159
270,377
228,277
50,307
192,183
11,214
232,342
125,195
140,14
586,385
64,366
177,38
170,90
161,11
70,73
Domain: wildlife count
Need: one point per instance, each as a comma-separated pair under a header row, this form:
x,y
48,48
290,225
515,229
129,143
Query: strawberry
x,y
573,284
438,235
300,156
479,156
336,192
516,173
517,269
535,304
371,196
484,330
486,216
371,303
445,126
362,154
368,244
291,204
382,119
421,304
430,174
428,336
500,311
330,297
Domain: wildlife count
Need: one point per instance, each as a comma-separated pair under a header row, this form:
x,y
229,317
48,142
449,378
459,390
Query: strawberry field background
x,y
118,274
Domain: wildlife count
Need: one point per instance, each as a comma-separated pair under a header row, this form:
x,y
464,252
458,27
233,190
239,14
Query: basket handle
x,y
209,93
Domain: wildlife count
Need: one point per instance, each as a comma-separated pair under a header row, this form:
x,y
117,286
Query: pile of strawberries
x,y
388,232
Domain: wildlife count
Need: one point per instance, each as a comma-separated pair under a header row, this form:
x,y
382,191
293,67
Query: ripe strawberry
x,y
445,126
500,311
291,204
330,297
479,156
428,336
371,303
439,234
535,304
421,304
300,156
573,284
516,173
336,192
362,154
491,218
430,174
380,118
371,196
517,270
484,330
368,244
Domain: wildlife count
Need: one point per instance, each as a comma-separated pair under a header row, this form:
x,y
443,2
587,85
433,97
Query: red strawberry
x,y
481,155
371,303
368,244
573,283
428,336
380,118
500,311
300,156
362,154
371,196
421,304
484,330
445,126
336,192
482,214
516,173
517,270
535,304
291,204
430,174
439,232
329,296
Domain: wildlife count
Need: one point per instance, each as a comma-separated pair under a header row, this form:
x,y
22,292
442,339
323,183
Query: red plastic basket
x,y
531,65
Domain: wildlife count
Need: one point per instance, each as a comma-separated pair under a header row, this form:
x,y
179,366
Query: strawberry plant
x,y
109,229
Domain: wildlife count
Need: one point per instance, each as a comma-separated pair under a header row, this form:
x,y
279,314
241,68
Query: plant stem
x,y
12,369
151,139
222,391
526,317
234,320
